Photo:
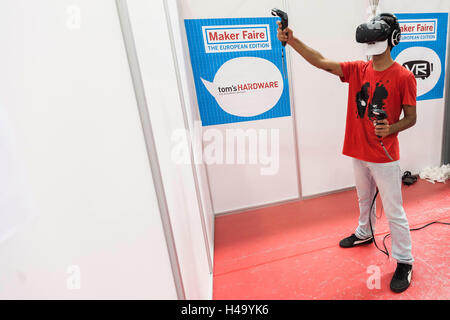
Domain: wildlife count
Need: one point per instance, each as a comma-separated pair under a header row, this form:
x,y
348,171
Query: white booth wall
x,y
320,97
192,226
76,186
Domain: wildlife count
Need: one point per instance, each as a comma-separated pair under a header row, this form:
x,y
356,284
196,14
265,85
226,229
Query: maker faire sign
x,y
239,71
236,38
422,50
418,30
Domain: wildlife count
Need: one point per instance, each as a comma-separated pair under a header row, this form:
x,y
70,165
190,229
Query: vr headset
x,y
378,33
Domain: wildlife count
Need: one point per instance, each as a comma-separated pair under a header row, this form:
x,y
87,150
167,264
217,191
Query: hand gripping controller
x,y
379,115
284,20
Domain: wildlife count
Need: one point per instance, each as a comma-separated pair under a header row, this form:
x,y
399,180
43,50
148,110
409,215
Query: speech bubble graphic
x,y
246,86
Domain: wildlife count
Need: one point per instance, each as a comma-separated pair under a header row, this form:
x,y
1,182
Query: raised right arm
x,y
309,54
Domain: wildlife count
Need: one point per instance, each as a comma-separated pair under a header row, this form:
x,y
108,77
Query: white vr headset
x,y
375,48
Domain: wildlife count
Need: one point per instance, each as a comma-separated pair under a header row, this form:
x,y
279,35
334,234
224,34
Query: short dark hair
x,y
392,21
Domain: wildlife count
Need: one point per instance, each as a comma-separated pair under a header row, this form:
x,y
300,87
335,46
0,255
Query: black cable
x,y
428,224
371,229
386,251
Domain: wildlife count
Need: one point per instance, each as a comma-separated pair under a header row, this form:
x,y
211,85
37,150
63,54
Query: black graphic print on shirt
x,y
362,97
377,102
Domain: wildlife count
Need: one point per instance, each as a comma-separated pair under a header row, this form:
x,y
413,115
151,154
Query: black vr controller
x,y
284,20
379,114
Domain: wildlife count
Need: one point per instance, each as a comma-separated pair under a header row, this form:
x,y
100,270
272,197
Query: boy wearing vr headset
x,y
379,84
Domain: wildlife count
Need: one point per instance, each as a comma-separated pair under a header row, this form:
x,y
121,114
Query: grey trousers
x,y
387,176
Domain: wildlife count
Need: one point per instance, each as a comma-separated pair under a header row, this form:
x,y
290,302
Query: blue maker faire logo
x,y
238,69
422,50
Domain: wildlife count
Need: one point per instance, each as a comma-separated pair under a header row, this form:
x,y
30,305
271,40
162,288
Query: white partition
x,y
192,126
91,226
320,97
150,24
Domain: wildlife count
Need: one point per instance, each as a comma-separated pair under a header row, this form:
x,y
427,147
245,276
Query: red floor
x,y
291,251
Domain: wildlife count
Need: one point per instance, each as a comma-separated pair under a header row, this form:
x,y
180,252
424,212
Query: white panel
x,y
238,186
193,118
196,9
320,97
154,50
67,90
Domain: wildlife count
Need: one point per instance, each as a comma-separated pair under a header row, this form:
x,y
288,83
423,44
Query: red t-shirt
x,y
369,89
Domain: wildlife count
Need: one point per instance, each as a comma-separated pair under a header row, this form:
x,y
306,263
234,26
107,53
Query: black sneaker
x,y
354,241
402,277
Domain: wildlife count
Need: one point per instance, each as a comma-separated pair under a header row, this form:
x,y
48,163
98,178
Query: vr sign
x,y
420,68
